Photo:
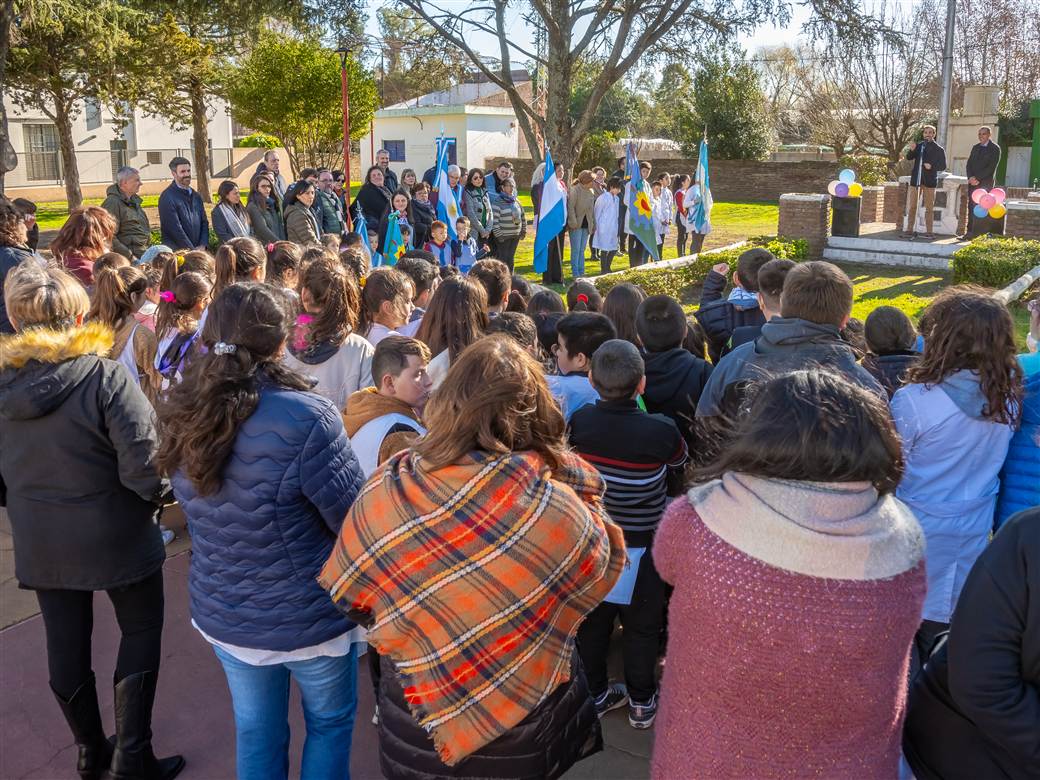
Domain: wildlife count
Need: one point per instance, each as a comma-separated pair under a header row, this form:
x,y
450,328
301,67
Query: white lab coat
x,y
606,213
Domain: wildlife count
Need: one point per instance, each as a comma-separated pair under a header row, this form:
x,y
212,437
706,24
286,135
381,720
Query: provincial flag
x,y
393,246
640,209
702,212
552,215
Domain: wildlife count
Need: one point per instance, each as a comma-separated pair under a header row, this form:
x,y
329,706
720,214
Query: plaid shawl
x,y
473,578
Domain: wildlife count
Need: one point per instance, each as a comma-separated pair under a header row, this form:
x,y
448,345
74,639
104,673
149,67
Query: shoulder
x,y
294,406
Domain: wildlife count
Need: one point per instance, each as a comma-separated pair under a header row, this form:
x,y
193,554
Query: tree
x,y
619,110
290,88
730,106
63,54
8,161
414,60
619,33
782,76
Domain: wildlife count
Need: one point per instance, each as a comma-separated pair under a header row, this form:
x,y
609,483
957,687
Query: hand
x,y
913,145
721,268
927,166
973,182
487,248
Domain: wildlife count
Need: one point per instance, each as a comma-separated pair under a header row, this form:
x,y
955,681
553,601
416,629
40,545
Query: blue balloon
x,y
979,211
848,176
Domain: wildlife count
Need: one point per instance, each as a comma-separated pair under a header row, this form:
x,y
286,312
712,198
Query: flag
x,y
393,246
640,210
552,215
702,212
361,228
448,209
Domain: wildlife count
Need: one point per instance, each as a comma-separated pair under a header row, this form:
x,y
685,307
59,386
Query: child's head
x,y
519,294
852,334
578,336
350,241
331,241
615,185
241,259
462,228
448,271
457,316
386,299
781,436
818,292
771,278
661,323
44,297
970,330
153,282
438,231
545,302
748,265
110,260
582,295
196,261
424,276
406,234
283,264
681,181
331,297
497,280
355,262
182,304
617,371
620,307
519,327
889,330
118,293
546,324
399,370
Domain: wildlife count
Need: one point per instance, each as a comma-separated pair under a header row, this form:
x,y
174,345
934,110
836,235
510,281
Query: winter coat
x,y
374,202
225,232
339,370
390,181
1020,477
719,317
581,208
890,370
280,184
182,218
268,225
476,204
931,153
561,731
675,380
951,478
259,541
79,265
606,219
300,225
982,163
974,711
77,468
373,445
422,217
509,219
138,356
330,222
10,258
133,233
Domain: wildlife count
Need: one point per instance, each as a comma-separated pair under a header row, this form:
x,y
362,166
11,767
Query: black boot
x,y
133,758
84,718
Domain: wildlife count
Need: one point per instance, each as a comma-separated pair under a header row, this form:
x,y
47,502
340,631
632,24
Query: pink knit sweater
x,y
773,673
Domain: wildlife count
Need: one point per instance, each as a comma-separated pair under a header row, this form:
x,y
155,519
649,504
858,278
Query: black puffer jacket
x,y
77,472
675,380
890,370
719,317
563,730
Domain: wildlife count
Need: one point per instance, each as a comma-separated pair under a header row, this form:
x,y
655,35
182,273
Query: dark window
x,y
92,113
396,149
154,158
43,160
453,154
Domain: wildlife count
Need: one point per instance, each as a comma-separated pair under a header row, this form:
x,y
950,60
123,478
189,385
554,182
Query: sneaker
x,y
167,535
375,716
615,696
929,234
641,716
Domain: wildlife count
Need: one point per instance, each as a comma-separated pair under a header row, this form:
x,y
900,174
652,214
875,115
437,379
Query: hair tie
x,y
168,296
180,261
270,247
361,282
221,348
583,298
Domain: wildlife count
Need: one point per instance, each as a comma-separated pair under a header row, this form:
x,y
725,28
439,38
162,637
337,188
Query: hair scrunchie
x,y
583,298
168,296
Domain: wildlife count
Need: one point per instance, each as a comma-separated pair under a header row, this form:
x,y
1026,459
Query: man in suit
x,y
929,159
982,165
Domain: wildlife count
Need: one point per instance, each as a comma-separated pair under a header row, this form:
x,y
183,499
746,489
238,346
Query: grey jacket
x,y
133,233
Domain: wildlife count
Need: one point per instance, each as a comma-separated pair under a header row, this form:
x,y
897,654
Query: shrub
x,y
870,169
258,141
994,262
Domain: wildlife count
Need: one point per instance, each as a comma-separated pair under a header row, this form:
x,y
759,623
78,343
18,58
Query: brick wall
x,y
1023,219
806,216
872,207
894,202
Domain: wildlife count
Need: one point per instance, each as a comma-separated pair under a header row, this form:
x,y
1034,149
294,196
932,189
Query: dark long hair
x,y
334,291
813,426
237,259
260,200
226,188
620,307
456,317
965,328
200,417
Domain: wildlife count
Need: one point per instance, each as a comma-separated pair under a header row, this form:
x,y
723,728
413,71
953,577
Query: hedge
x,y
994,262
675,281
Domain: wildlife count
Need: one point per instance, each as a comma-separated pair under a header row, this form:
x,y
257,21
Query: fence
x,y
45,168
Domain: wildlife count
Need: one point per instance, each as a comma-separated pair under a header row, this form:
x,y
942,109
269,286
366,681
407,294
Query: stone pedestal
x,y
950,198
1023,219
807,216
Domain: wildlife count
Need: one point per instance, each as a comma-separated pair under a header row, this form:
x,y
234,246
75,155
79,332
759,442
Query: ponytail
x,y
383,284
237,260
178,302
583,296
114,291
336,295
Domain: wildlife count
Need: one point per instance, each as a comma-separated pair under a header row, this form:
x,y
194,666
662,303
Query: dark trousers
x,y
553,273
924,640
605,258
641,623
696,242
505,250
621,224
68,620
660,251
636,252
680,238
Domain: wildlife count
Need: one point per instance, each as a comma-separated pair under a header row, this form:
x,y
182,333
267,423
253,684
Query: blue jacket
x,y
182,218
1020,479
260,541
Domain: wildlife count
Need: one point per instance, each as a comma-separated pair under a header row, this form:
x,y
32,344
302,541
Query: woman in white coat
x,y
605,237
956,416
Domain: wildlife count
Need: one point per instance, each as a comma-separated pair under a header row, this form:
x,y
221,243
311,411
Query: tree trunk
x,y
6,22
70,168
559,129
200,141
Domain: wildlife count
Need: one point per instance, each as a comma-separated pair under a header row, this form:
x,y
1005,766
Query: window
x,y
43,161
154,158
92,113
396,149
453,153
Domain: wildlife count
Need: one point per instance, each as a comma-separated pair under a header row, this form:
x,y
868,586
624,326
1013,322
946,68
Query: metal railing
x,y
45,168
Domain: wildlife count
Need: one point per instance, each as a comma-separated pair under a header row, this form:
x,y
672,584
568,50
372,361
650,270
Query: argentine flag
x,y
361,228
552,215
447,207
702,212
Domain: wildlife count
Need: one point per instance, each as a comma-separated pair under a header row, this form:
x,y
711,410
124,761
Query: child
x,y
519,294
578,336
582,295
331,241
520,328
641,458
497,281
457,318
719,317
401,207
659,215
675,379
464,252
386,304
240,260
178,324
423,214
605,239
771,278
324,344
111,260
620,307
438,245
696,343
890,337
283,268
406,236
146,313
352,242
682,182
28,211
421,268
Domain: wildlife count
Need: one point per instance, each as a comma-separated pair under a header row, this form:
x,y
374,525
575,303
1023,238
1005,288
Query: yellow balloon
x,y
998,211
855,189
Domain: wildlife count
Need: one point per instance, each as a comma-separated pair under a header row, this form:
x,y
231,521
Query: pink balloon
x,y
998,194
987,201
976,195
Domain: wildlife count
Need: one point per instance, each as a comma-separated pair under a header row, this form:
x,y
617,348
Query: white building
x,y
103,145
477,116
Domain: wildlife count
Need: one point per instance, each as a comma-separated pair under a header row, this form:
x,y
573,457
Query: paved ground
x,y
193,710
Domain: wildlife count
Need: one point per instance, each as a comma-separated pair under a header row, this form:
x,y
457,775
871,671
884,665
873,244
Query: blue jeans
x,y
260,698
579,238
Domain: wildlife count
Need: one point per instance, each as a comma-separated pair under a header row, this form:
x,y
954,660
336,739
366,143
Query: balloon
x,y
980,212
855,189
998,211
976,195
847,176
832,187
842,190
998,194
987,201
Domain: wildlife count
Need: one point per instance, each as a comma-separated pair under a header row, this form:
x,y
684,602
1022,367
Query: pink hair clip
x,y
270,247
168,296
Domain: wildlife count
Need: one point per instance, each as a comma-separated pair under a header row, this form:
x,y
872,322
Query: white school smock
x,y
606,212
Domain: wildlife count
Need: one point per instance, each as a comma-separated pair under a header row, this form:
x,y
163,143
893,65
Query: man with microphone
x,y
982,166
929,159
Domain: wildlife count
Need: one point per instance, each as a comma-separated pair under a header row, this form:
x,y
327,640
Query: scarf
x,y
480,197
234,221
473,579
742,298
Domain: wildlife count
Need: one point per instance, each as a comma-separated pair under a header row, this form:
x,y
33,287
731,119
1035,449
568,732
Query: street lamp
x,y
343,52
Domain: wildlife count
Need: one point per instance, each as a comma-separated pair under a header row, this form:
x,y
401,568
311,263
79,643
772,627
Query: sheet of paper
x,y
621,593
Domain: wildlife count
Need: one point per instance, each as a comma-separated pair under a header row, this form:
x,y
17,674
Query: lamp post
x,y
343,52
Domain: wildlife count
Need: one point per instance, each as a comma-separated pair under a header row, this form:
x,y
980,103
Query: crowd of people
x,y
472,480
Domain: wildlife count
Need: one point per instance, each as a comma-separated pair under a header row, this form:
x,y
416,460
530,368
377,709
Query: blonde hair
x,y
45,296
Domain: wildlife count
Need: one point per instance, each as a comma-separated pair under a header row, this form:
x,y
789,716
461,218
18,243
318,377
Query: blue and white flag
x,y
361,228
448,208
702,212
552,215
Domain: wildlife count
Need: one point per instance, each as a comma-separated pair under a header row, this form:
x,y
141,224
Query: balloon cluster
x,y
989,203
846,186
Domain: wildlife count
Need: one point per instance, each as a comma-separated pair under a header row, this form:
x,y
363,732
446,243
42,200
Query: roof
x,y
473,93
